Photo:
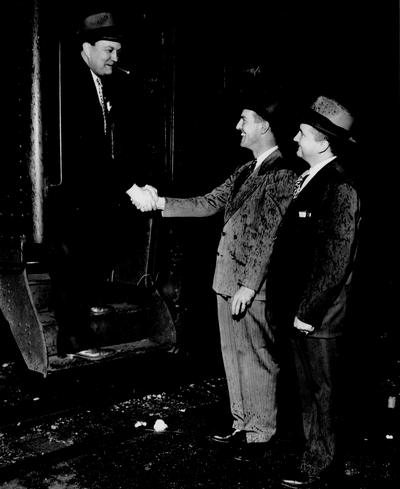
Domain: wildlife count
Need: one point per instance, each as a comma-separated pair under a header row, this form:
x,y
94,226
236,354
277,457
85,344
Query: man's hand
x,y
303,327
144,198
152,190
241,300
161,203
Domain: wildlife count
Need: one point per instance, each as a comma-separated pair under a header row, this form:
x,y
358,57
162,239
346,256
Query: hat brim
x,y
327,127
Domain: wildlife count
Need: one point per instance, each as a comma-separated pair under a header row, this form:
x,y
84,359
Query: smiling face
x,y
101,56
312,145
251,129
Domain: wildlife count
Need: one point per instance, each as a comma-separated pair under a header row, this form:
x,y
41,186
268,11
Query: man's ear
x,y
265,127
324,145
86,48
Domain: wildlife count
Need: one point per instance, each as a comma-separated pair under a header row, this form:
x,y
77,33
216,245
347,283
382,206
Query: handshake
x,y
146,198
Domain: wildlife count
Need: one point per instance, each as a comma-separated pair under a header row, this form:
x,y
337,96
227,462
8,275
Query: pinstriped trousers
x,y
250,368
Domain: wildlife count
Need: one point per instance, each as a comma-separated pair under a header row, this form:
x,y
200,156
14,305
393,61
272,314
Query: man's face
x,y
102,56
309,148
251,129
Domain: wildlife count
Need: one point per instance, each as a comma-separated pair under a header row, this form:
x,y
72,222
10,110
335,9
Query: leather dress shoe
x,y
252,452
297,479
331,476
93,353
101,310
231,438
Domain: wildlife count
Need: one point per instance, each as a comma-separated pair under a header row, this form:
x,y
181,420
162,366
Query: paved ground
x,y
93,428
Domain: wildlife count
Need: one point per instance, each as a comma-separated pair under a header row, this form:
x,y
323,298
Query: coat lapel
x,y
318,181
252,183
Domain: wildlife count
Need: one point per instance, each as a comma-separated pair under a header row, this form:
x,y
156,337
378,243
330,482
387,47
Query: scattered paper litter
x,y
140,423
159,425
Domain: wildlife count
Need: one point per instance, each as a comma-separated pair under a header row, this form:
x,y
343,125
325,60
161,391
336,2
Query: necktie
x,y
102,102
298,184
243,176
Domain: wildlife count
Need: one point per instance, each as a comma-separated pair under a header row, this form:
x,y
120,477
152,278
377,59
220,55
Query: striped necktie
x,y
243,176
102,102
299,182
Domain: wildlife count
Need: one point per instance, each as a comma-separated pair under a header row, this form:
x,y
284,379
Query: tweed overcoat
x,y
313,260
252,213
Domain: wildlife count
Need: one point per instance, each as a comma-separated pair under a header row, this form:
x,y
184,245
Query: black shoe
x,y
231,438
297,479
93,353
101,310
252,452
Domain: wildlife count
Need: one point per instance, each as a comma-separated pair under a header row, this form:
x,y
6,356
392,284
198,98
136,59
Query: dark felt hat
x,y
99,26
263,99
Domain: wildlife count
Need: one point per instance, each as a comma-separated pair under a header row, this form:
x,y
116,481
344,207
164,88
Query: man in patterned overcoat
x,y
310,276
254,199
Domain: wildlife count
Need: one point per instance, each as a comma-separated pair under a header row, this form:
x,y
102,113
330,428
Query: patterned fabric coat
x,y
253,211
313,260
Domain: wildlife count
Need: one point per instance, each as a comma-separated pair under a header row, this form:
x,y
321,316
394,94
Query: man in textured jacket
x,y
310,275
254,199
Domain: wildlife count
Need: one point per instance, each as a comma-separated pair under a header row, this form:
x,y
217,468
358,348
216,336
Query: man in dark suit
x,y
254,199
85,208
310,275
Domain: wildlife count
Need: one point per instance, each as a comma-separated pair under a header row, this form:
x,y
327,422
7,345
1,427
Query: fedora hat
x,y
262,97
330,117
99,26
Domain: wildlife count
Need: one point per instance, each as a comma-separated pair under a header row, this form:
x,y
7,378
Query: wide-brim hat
x,y
99,26
330,118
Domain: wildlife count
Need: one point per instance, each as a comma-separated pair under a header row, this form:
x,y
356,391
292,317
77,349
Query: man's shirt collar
x,y
264,155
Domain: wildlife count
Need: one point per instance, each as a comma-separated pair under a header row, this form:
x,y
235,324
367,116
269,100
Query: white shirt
x,y
262,156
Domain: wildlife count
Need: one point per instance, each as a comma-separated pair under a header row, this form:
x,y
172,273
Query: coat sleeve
x,y
259,237
334,252
202,206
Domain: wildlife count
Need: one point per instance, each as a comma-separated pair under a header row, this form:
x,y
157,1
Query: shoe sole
x,y
220,441
92,359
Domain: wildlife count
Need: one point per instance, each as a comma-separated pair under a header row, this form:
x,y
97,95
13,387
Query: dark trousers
x,y
317,367
81,259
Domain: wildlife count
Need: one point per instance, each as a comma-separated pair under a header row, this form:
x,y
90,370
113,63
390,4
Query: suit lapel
x,y
318,182
252,183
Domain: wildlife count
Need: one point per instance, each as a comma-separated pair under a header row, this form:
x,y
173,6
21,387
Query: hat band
x,y
324,125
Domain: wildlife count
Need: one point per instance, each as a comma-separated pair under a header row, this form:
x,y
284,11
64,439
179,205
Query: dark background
x,y
188,64
346,49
